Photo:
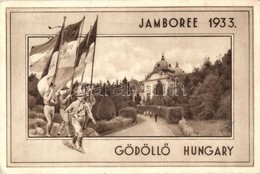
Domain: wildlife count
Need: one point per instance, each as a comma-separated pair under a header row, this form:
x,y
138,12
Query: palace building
x,y
159,80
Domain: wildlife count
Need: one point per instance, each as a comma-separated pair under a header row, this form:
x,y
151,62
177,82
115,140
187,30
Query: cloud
x,y
135,57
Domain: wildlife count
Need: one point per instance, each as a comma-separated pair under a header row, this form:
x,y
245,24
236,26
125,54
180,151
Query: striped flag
x,y
40,55
67,54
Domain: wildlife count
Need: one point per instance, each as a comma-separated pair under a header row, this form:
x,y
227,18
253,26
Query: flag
x,y
85,56
70,34
85,45
40,54
66,53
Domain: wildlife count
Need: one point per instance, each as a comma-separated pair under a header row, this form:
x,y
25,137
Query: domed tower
x,y
163,65
177,70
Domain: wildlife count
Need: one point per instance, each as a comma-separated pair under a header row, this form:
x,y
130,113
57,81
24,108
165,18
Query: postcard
x,y
146,86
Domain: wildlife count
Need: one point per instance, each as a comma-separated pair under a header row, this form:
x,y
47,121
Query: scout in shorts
x,y
78,110
64,100
49,100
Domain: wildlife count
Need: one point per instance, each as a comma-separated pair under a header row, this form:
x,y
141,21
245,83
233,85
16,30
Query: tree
x,y
204,101
33,90
106,109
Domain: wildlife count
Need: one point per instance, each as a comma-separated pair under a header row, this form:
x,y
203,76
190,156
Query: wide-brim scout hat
x,y
64,88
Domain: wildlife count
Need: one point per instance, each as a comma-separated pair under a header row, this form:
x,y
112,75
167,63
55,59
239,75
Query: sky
x,y
135,57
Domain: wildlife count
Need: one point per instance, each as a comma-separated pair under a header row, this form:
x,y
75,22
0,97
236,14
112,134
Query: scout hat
x,y
64,88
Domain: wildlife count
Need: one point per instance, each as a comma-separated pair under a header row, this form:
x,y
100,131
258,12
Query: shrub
x,y
39,131
186,111
129,112
36,122
38,108
120,102
106,109
94,109
113,124
170,114
32,101
32,114
32,131
174,115
158,100
40,115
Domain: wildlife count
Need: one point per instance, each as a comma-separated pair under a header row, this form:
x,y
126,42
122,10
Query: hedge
x,y
170,114
116,123
128,112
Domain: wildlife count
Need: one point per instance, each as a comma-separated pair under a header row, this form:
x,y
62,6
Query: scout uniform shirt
x,y
79,109
48,98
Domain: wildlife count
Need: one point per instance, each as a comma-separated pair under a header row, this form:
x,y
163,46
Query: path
x,y
146,126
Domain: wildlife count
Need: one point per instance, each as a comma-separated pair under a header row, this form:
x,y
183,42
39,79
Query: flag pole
x,y
85,64
92,69
60,44
79,37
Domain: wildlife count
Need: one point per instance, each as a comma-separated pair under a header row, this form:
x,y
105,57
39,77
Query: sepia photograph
x,y
149,86
130,86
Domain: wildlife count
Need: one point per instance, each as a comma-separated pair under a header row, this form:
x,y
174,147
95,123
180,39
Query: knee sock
x,y
75,137
67,127
61,126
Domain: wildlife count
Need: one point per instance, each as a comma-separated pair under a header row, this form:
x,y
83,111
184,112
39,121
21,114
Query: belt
x,y
51,104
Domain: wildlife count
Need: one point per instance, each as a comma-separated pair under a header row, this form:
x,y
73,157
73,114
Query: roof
x,y
164,67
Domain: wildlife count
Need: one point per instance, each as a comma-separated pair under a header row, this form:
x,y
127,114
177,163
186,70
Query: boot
x,y
73,144
74,139
80,149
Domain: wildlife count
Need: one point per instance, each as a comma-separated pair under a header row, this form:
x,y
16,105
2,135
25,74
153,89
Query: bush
x,y
174,115
94,109
120,102
39,131
158,100
32,131
32,102
41,115
186,111
113,124
129,112
106,109
170,114
36,122
32,114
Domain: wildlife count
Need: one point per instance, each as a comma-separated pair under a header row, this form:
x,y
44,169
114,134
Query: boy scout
x,y
78,110
64,103
49,100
